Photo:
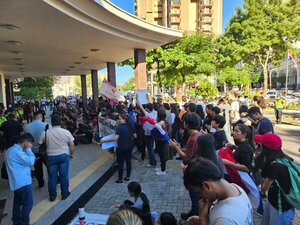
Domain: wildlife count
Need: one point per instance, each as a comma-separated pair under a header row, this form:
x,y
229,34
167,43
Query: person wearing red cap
x,y
273,170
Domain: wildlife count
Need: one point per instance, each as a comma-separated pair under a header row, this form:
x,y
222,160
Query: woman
x,y
274,212
124,217
206,149
244,152
124,135
162,146
141,205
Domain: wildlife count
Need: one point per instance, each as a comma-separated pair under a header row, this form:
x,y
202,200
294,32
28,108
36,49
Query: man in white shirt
x,y
230,204
60,148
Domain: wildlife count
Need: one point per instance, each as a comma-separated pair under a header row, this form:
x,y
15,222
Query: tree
x,y
243,76
281,80
187,59
205,89
34,88
128,85
260,34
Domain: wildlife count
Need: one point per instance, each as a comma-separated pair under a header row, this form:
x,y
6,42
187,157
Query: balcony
x,y
205,20
175,12
175,20
206,28
206,12
206,3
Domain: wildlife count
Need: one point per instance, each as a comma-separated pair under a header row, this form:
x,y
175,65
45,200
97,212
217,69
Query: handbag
x,y
43,147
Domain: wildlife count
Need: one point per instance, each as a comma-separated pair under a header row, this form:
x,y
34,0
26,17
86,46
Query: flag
x,y
110,92
157,131
290,57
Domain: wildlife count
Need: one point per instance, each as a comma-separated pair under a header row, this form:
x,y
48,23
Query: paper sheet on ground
x,y
142,94
108,145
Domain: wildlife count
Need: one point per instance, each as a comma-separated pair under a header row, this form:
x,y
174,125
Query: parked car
x,y
296,94
271,94
290,100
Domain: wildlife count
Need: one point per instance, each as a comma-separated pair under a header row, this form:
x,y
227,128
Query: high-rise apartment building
x,y
185,15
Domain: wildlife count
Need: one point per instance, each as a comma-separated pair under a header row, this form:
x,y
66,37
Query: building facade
x,y
185,15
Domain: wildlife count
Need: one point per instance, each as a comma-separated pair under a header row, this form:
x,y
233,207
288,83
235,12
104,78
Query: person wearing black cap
x,y
60,148
277,182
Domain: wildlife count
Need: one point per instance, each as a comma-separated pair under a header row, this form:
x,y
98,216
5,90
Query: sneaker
x,y
160,173
157,169
52,198
150,166
127,178
119,181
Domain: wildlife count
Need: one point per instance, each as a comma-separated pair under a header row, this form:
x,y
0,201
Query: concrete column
x,y
2,90
111,73
83,91
140,69
95,88
12,93
298,77
8,92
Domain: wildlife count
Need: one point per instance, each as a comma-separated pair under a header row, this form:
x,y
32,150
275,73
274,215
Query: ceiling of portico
x,y
55,37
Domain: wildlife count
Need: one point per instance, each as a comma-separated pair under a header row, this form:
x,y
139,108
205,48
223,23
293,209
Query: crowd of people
x,y
215,139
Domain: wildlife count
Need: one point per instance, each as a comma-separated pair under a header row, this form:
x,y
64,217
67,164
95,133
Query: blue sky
x,y
124,73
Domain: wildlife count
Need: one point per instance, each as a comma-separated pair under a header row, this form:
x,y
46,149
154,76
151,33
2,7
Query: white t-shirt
x,y
58,140
232,211
235,106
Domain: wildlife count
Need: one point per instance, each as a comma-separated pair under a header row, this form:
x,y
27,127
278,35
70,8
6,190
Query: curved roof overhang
x,y
56,36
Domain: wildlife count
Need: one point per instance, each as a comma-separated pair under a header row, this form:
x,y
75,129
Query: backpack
x,y
293,197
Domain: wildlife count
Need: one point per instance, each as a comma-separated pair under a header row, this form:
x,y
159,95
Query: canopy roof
x,y
70,37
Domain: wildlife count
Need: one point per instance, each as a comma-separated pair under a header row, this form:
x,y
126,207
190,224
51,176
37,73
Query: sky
x,y
124,73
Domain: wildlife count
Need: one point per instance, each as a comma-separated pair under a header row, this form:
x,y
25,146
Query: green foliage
x,y
205,89
188,59
260,34
239,77
127,86
281,80
34,88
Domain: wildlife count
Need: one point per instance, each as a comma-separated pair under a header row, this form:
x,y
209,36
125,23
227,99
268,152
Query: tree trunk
x,y
265,80
183,86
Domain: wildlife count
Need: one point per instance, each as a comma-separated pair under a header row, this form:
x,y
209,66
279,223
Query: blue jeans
x,y
58,164
149,144
273,217
195,197
22,205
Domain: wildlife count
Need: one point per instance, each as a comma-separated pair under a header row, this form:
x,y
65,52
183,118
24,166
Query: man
x,y
36,128
264,124
149,137
60,148
191,123
232,205
19,158
278,108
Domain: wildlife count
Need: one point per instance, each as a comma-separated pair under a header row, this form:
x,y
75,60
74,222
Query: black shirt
x,y
220,139
11,131
125,133
244,154
279,172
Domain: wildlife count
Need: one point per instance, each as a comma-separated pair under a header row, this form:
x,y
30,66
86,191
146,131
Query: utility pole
x,y
287,73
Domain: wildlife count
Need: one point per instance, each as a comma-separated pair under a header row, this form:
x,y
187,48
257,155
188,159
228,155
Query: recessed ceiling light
x,y
22,71
78,63
68,70
18,59
16,43
19,64
72,67
95,50
17,52
21,68
9,27
84,57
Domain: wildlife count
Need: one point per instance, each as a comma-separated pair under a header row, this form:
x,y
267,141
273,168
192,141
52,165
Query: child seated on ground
x,y
140,205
